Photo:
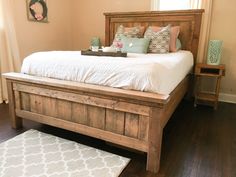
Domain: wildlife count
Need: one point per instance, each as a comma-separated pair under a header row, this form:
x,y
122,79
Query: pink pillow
x,y
174,33
128,29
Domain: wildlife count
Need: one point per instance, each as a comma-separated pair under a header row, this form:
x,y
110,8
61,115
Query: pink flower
x,y
39,17
33,7
118,44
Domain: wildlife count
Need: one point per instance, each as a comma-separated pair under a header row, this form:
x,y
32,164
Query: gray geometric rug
x,y
37,154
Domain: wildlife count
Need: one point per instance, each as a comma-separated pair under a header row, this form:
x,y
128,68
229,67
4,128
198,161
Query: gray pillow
x,y
159,41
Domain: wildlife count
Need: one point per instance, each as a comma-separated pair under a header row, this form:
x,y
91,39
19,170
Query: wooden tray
x,y
101,53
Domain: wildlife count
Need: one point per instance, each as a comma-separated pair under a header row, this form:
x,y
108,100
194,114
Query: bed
x,y
133,119
156,73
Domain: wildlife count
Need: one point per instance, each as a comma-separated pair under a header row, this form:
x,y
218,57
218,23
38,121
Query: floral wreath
x,y
38,16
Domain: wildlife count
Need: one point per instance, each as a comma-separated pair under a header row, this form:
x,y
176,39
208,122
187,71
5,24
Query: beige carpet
x,y
36,154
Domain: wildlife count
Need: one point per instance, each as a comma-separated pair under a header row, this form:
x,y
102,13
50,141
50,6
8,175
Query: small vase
x,y
95,41
214,52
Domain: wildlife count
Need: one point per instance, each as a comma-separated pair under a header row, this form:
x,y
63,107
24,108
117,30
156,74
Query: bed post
x,y
16,122
154,140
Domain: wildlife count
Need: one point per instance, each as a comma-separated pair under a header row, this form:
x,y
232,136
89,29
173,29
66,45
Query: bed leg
x,y
154,155
155,141
16,122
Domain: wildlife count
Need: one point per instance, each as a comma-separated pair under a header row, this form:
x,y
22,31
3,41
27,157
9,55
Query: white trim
x,y
155,4
229,98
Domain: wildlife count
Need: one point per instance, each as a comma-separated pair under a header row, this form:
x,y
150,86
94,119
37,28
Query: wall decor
x,y
37,10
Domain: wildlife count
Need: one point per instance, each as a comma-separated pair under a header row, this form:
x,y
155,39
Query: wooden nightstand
x,y
204,70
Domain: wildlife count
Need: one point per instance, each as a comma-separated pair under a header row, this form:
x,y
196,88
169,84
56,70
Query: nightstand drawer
x,y
209,70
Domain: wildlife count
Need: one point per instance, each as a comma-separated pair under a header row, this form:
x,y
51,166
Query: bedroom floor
x,y
198,142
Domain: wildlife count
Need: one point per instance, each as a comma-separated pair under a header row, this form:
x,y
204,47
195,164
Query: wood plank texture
x,y
188,20
25,101
131,125
143,128
90,88
64,110
115,121
84,99
155,140
96,117
86,130
36,104
79,113
16,122
50,107
17,99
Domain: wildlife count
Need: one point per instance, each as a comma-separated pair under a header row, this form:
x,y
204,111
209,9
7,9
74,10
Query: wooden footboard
x,y
128,118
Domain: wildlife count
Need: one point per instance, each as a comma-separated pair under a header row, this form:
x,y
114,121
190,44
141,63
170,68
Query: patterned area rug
x,y
36,154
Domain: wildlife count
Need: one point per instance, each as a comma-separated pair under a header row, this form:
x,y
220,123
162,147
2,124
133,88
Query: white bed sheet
x,y
158,73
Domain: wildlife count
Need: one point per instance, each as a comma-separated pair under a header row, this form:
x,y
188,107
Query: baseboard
x,y
225,97
228,98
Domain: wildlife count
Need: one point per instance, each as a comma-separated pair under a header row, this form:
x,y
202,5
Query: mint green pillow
x,y
178,44
134,45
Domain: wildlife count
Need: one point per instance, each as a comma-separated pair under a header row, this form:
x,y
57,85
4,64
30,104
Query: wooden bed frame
x,y
129,118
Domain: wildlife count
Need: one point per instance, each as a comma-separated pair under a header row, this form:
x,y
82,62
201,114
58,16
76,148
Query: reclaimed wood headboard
x,y
188,20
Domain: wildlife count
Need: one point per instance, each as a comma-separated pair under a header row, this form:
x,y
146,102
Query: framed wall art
x,y
37,10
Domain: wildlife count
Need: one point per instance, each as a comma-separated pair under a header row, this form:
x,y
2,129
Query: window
x,y
170,4
174,4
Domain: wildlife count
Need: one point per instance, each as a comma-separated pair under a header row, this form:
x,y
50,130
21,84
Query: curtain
x,y
205,28
9,52
155,4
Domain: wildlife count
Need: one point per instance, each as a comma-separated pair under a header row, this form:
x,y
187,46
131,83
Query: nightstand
x,y
211,71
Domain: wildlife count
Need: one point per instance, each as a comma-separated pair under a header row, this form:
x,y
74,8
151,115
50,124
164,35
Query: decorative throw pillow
x,y
159,41
135,45
136,31
178,44
174,33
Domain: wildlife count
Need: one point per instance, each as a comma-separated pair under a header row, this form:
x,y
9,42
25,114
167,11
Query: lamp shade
x,y
214,52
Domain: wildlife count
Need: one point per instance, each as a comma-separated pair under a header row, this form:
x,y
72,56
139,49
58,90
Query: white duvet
x,y
159,73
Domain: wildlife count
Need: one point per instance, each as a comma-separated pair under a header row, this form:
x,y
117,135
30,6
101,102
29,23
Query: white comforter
x,y
159,73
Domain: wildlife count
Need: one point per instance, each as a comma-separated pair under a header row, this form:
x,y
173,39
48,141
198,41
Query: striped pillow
x,y
160,41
